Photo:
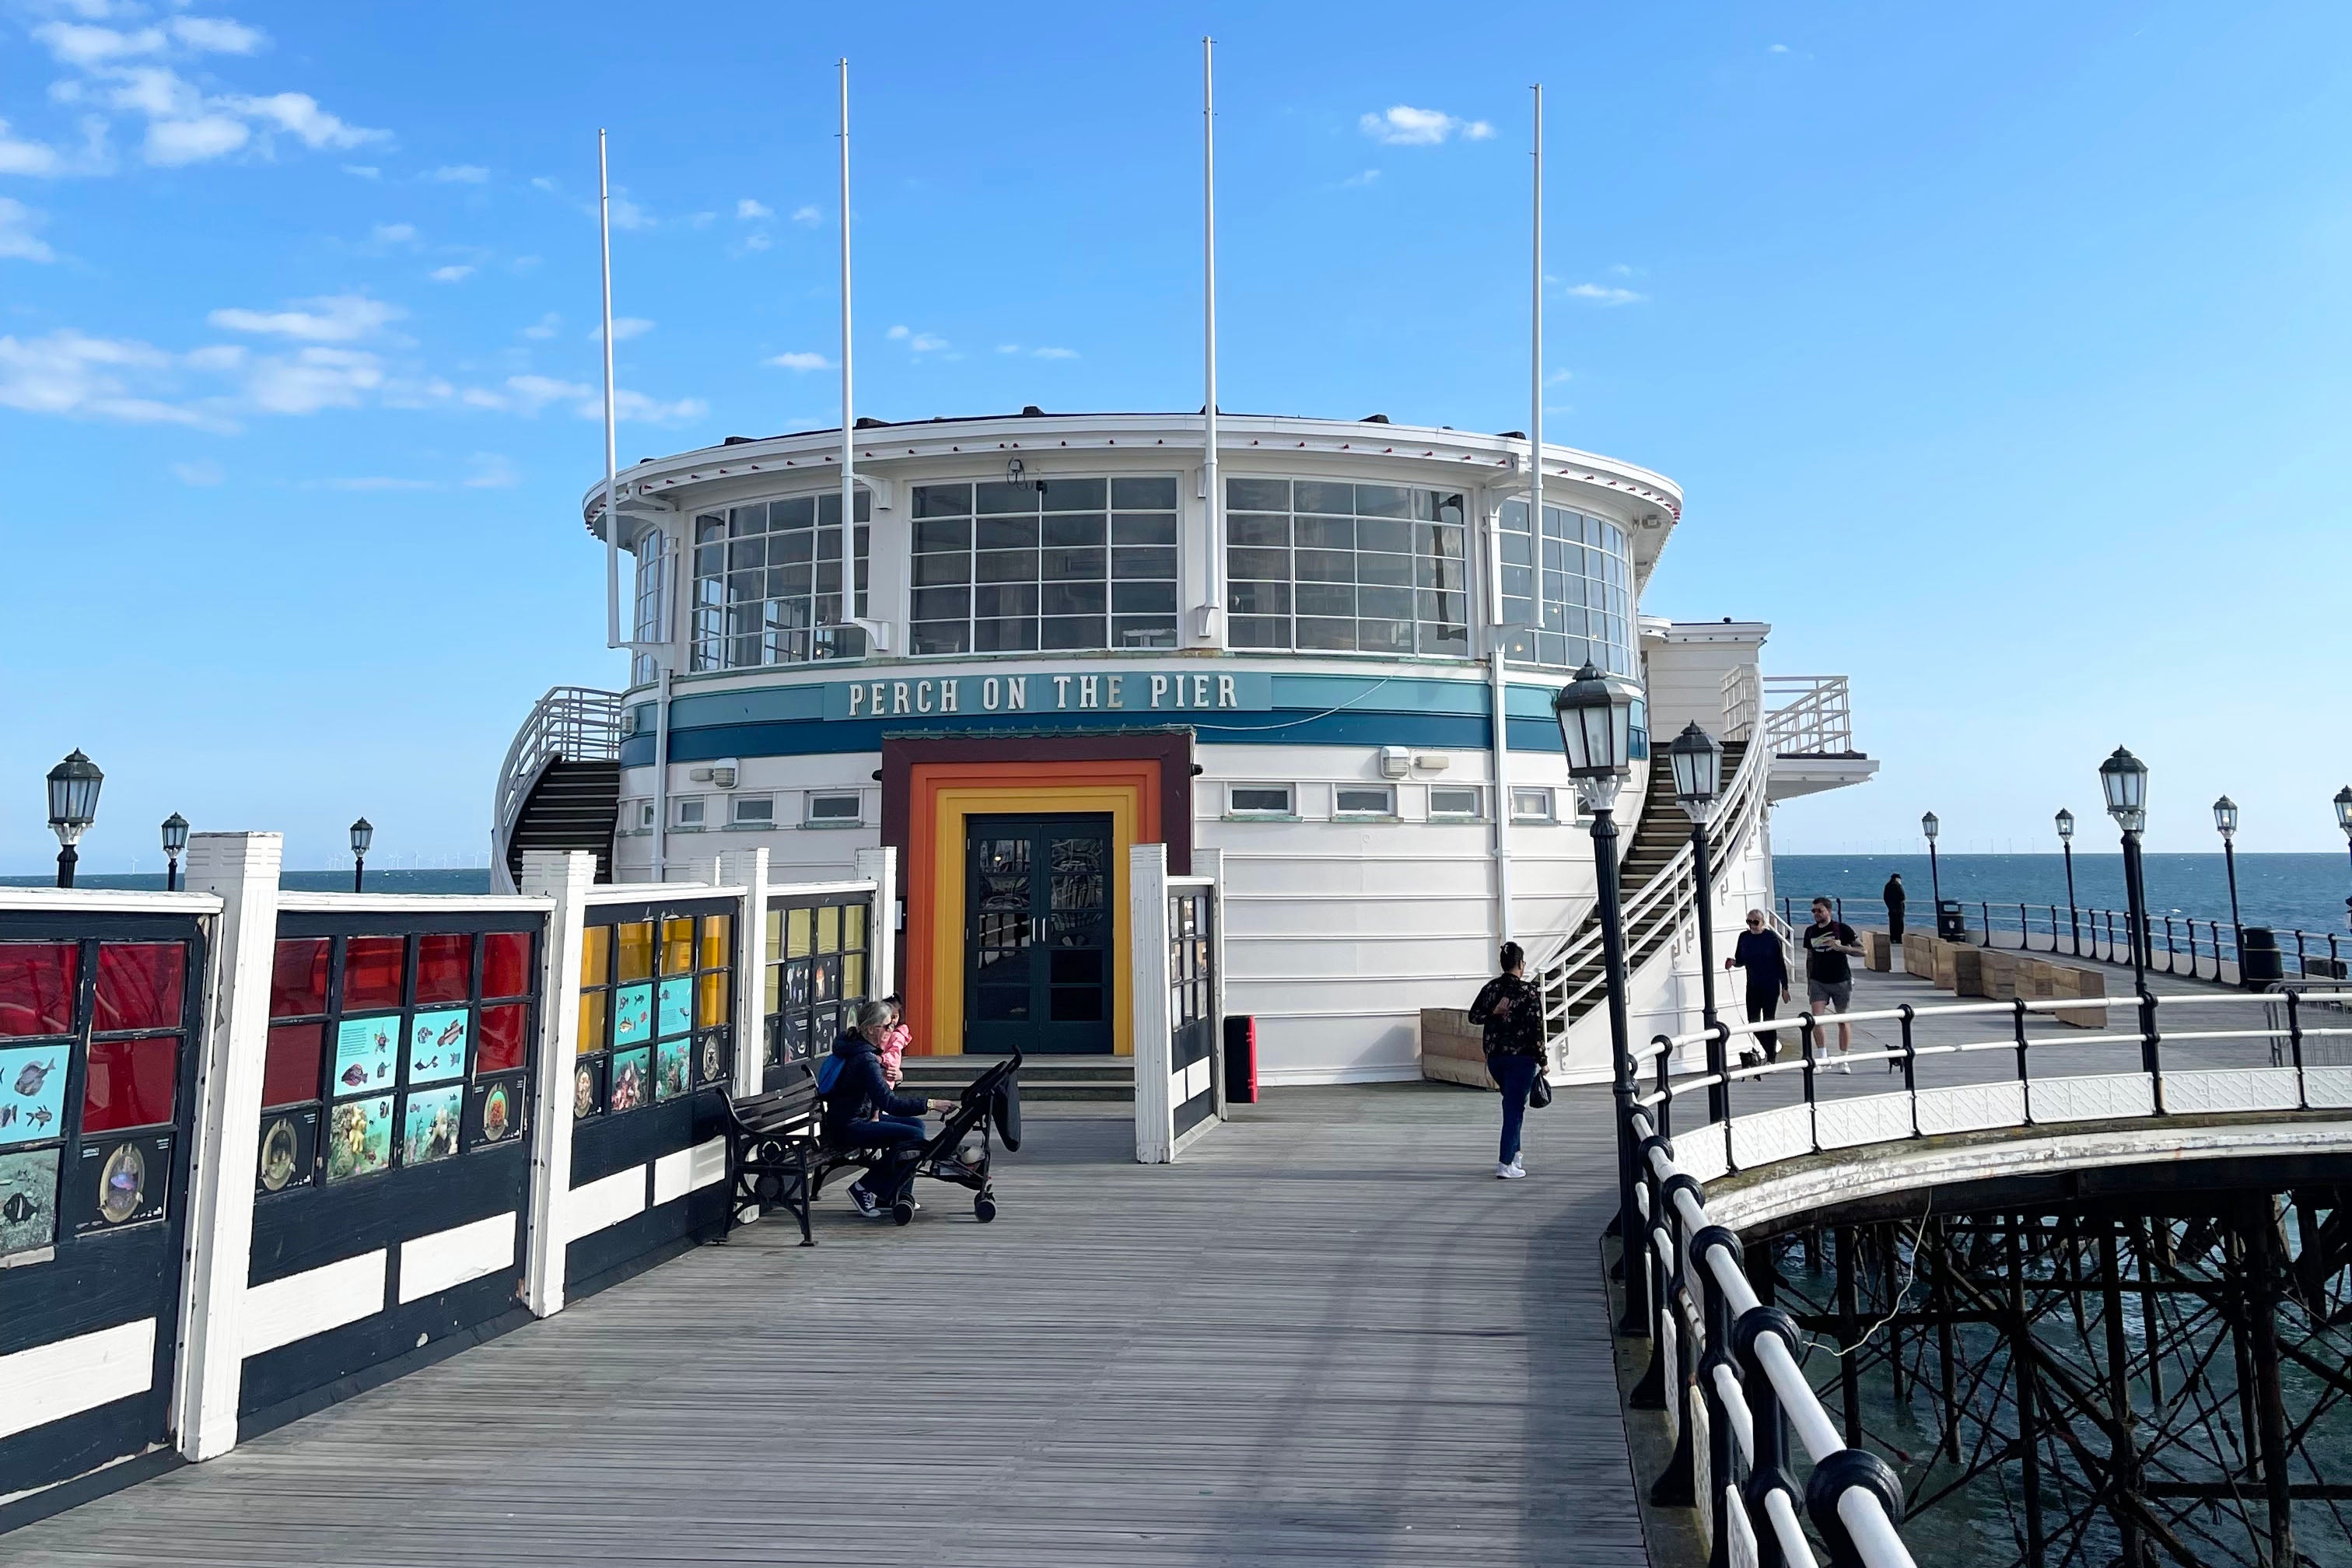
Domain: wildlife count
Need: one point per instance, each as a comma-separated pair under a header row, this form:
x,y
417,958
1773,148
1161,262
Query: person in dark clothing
x,y
1829,943
1760,953
1510,1012
1893,897
861,1111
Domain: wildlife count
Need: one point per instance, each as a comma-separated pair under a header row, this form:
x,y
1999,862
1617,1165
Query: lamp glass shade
x,y
2124,777
1699,767
2225,816
175,834
362,834
2067,827
1930,826
1595,714
2344,808
73,796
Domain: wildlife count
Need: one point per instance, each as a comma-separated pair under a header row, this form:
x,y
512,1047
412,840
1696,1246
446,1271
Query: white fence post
x,y
1211,863
242,869
566,877
880,867
750,867
1147,924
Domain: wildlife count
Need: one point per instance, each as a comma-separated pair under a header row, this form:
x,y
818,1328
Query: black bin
x,y
1951,924
1240,1060
2259,959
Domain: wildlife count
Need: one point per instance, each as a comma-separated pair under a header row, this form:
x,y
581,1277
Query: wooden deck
x,y
1329,1336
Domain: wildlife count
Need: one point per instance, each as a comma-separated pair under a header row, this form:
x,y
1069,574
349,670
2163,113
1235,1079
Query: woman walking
x,y
1510,1011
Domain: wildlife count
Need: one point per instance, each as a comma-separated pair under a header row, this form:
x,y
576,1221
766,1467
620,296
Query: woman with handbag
x,y
1510,1011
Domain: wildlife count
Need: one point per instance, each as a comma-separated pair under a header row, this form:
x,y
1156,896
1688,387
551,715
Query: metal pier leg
x,y
2143,1243
1849,1330
1948,1377
2123,1460
2262,1263
2022,1371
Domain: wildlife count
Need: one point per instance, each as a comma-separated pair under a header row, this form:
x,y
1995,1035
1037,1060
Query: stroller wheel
x,y
903,1212
984,1208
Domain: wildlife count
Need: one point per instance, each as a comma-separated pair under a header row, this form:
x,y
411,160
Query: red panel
x,y
290,1073
506,964
36,986
498,1045
141,985
372,972
130,1083
444,967
297,978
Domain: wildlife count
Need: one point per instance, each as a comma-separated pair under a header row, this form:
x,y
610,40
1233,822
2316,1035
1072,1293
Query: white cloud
x,y
756,242
492,471
363,171
218,35
1555,377
628,214
393,234
461,174
76,44
1602,293
546,328
336,318
798,360
624,329
21,157
529,394
636,405
1055,353
920,342
1008,348
1405,126
312,379
171,143
1357,182
18,240
202,471
451,274
75,376
1778,50
749,210
540,182
298,113
807,217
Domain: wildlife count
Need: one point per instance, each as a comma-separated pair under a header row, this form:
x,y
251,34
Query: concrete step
x,y
1108,1080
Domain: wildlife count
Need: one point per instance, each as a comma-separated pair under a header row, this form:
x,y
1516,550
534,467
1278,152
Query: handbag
x,y
1539,1091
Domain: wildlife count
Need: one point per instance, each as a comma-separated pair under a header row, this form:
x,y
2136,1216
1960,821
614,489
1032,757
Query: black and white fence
x,y
1176,936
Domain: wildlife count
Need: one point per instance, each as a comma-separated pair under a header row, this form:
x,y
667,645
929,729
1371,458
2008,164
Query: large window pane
x,y
1360,552
1577,603
1045,548
763,578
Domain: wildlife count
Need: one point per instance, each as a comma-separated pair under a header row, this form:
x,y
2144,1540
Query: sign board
x,y
1159,693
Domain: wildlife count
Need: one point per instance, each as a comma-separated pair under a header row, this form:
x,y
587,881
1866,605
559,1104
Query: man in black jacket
x,y
862,1112
1760,953
1893,894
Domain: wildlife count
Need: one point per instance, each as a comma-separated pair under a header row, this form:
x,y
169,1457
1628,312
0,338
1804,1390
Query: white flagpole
x,y
1535,343
1211,617
849,573
612,447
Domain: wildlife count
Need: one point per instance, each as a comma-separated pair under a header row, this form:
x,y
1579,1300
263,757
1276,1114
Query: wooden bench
x,y
775,1157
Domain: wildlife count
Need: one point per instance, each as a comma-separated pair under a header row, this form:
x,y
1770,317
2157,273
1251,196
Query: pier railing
x,y
2187,947
571,723
1725,1364
1808,715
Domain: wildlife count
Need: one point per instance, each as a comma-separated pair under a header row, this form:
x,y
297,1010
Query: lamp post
x,y
362,834
1595,715
2225,823
2066,845
2124,778
1699,778
1929,826
73,806
2343,821
175,839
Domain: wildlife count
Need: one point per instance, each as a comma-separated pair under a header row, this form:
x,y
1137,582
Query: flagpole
x,y
849,573
612,446
1212,612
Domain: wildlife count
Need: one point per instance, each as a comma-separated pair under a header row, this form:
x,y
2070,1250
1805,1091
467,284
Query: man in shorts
x,y
1829,943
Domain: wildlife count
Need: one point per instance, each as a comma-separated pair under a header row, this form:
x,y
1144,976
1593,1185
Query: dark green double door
x,y
1037,935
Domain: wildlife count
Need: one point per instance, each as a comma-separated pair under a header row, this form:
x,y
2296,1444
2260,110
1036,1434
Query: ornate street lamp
x,y
2343,821
362,834
1929,826
2066,844
1595,714
2123,779
2225,823
73,806
176,840
1699,778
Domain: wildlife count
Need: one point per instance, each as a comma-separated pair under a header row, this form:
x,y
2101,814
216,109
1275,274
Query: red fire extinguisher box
x,y
1240,1060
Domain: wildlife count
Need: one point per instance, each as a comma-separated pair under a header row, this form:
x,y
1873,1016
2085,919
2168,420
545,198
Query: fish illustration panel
x,y
633,1014
28,1201
366,1054
671,1069
675,1007
631,1073
359,1138
119,1181
32,1093
429,1131
436,1045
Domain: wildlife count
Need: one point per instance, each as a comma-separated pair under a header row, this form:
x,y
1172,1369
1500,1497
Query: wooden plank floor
x,y
1329,1336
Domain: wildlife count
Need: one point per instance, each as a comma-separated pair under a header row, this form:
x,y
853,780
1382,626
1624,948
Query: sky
x,y
2000,351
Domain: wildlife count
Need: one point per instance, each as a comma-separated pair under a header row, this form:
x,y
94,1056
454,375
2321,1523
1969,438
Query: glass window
x,y
1046,563
687,813
769,584
834,808
647,1036
1364,800
1455,801
1531,806
816,978
754,810
1318,564
652,621
1272,800
1567,595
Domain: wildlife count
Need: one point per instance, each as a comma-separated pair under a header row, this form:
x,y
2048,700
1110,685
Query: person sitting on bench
x,y
861,1113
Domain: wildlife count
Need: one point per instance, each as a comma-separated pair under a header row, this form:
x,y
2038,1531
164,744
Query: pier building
x,y
1038,643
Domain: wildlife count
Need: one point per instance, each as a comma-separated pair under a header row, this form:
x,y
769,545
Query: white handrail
x,y
571,723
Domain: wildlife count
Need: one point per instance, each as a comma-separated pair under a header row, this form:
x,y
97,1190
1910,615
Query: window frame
x,y
735,814
1431,576
730,552
706,1052
1477,812
1527,584
801,1009
1550,811
678,805
1287,809
1154,600
1387,812
811,817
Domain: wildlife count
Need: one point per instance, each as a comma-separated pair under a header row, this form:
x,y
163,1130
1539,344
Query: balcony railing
x,y
1808,715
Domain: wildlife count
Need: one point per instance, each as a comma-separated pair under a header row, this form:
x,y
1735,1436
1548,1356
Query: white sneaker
x,y
1519,1163
1845,1067
1508,1173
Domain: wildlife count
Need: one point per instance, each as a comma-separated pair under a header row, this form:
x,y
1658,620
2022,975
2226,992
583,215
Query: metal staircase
x,y
561,786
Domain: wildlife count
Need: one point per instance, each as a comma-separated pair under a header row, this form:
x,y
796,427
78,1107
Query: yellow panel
x,y
828,929
710,1001
591,1021
678,946
635,943
798,945
853,925
718,942
595,955
775,931
775,999
853,976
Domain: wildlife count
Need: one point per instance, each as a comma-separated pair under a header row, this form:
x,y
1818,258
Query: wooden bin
x,y
1452,1048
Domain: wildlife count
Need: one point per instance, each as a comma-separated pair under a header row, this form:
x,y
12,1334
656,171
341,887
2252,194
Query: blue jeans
x,y
898,1136
1516,1075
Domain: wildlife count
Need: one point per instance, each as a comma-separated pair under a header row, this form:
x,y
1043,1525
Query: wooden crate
x,y
1452,1048
1877,951
1919,954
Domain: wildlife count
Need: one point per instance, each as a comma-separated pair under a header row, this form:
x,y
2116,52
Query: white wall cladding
x,y
66,1377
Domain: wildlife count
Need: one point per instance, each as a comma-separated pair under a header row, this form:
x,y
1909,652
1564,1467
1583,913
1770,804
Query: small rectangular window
x,y
834,808
1260,800
1365,800
1531,806
1455,802
754,810
690,812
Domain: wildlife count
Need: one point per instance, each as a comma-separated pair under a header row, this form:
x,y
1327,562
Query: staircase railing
x,y
1666,901
571,723
1812,716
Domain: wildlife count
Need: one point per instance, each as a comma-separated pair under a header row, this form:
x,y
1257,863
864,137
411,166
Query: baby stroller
x,y
987,1112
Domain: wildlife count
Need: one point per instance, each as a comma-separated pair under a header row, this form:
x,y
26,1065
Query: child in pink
x,y
892,1045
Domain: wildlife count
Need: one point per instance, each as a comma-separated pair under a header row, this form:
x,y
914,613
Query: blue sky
x,y
2000,351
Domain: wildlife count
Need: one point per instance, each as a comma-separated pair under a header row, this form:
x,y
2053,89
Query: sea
x,y
453,880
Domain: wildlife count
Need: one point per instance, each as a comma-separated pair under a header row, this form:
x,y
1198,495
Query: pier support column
x,y
565,877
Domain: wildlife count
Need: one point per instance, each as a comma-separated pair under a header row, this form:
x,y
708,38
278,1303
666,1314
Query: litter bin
x,y
1240,1060
2260,961
1951,924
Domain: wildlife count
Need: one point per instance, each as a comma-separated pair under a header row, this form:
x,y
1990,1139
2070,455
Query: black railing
x,y
2187,947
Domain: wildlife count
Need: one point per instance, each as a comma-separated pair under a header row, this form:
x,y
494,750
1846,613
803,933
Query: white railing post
x,y
749,869
1210,864
242,870
1147,924
564,877
880,867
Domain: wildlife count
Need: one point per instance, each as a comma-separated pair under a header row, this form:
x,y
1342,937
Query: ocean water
x,y
455,879
2287,892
